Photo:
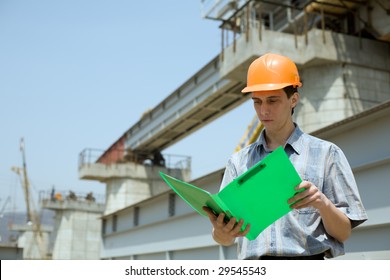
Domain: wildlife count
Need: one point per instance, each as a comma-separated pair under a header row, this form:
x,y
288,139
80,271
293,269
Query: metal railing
x,y
62,195
119,156
294,17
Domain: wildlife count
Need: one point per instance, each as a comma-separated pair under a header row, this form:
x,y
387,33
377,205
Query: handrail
x,y
119,156
62,195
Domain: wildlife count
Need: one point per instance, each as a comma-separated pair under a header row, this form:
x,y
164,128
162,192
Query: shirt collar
x,y
294,141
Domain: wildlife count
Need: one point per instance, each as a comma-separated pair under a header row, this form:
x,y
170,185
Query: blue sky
x,y
77,74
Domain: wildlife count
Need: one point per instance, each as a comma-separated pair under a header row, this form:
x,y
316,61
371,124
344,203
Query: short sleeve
x,y
340,187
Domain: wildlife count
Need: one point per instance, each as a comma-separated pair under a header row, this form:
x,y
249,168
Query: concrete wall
x,y
78,235
365,143
335,91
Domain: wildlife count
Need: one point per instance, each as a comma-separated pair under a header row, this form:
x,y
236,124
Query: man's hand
x,y
336,223
311,196
225,233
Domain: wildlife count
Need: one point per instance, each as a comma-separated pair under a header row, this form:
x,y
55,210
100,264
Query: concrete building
x,y
342,52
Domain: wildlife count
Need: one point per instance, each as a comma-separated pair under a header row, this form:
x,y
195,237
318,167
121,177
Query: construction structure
x,y
342,50
77,225
3,207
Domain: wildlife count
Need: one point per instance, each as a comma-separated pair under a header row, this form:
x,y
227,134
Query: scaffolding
x,y
351,17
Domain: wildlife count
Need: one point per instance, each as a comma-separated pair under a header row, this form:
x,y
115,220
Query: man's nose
x,y
264,110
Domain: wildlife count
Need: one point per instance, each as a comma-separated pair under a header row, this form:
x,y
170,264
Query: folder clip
x,y
252,172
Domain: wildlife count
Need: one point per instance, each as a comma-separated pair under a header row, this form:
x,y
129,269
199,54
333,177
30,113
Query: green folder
x,y
259,196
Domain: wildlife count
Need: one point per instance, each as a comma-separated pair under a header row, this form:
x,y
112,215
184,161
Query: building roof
x,y
353,121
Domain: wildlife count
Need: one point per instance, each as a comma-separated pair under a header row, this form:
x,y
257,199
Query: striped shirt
x,y
301,232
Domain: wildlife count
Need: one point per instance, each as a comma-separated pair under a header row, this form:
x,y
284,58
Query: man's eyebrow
x,y
269,97
273,97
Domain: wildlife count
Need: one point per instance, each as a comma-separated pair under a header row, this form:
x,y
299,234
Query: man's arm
x,y
336,223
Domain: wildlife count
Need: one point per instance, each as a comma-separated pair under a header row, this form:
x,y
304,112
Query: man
x,y
329,207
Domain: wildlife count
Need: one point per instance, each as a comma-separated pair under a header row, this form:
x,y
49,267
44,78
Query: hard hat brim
x,y
268,87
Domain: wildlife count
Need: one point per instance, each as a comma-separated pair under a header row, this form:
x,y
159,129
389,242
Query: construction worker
x,y
329,205
90,197
58,197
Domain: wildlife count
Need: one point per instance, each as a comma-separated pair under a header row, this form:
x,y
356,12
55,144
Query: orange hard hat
x,y
272,72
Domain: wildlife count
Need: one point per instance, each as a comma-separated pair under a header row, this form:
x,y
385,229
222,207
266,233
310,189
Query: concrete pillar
x,y
77,229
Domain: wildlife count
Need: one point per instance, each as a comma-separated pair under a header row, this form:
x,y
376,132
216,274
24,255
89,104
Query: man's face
x,y
273,108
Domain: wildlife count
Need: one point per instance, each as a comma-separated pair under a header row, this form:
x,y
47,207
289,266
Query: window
x,y
171,205
104,222
114,223
136,216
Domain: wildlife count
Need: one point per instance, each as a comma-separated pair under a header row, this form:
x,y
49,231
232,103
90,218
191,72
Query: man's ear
x,y
294,99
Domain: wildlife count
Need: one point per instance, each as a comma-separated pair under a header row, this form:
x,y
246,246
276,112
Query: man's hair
x,y
290,90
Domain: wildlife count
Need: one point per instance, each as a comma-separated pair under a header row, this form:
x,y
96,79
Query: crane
x,y
251,134
4,205
32,217
2,211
